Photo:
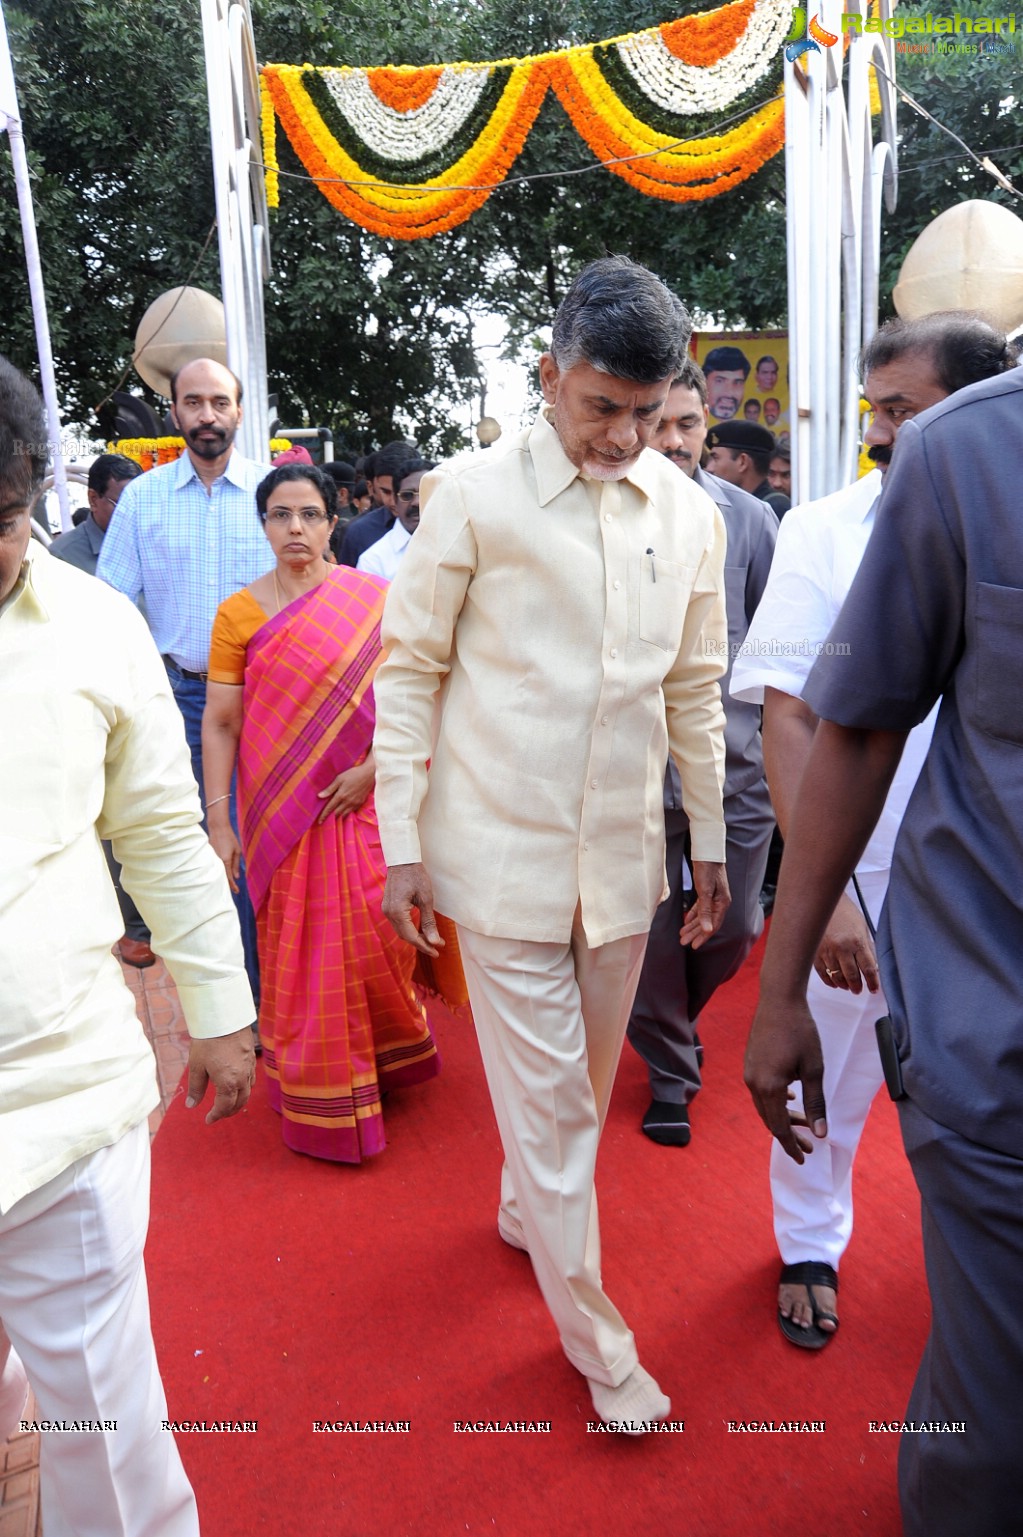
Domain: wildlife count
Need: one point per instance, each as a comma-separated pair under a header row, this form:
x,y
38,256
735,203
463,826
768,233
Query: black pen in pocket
x,y
653,568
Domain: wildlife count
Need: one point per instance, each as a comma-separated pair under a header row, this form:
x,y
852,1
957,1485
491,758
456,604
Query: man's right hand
x,y
784,1048
847,951
229,1063
409,886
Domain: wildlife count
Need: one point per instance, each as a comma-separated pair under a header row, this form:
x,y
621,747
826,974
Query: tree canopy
x,y
376,338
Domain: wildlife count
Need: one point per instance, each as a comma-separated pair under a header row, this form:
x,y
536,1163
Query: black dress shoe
x,y
667,1124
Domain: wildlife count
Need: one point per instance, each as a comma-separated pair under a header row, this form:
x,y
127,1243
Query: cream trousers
x,y
551,1019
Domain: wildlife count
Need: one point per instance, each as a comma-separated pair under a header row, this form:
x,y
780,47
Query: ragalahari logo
x,y
807,36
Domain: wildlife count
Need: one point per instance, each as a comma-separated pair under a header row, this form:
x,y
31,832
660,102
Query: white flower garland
x,y
691,88
404,136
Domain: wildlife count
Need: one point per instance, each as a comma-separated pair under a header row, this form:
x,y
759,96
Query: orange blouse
x,y
237,620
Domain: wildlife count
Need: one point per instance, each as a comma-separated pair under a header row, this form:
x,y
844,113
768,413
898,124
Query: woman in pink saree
x,y
290,702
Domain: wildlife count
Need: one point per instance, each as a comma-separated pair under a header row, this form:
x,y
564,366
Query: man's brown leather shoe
x,y
134,953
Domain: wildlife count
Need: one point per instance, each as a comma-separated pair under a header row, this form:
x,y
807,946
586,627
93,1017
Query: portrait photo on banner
x,y
747,376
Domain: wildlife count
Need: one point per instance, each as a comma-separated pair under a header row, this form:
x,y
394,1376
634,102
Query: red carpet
x,y
289,1291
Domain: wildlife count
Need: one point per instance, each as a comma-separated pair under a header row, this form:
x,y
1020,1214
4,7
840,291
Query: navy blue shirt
x,y
364,531
936,611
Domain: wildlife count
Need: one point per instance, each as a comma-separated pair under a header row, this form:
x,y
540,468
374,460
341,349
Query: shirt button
x,y
594,783
613,651
617,586
585,846
603,720
607,517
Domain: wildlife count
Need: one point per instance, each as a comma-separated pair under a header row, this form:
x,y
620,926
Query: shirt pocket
x,y
999,662
664,590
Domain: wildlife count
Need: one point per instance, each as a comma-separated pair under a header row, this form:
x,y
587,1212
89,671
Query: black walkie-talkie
x,y
889,1052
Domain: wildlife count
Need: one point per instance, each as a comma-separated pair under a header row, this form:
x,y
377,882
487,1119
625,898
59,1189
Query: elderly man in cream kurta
x,y
555,628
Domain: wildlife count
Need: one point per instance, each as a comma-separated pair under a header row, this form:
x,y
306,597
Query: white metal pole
x,y
10,119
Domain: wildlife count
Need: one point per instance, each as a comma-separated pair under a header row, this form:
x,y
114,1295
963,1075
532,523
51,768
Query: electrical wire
x,y
181,294
511,181
984,161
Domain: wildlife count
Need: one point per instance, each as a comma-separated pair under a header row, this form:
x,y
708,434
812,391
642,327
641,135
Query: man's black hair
x,y
621,319
963,347
412,466
24,449
692,377
110,467
726,360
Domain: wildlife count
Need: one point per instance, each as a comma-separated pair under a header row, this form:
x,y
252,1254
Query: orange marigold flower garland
x,y
409,152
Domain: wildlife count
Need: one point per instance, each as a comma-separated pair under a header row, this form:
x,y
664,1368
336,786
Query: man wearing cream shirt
x,y
556,626
92,747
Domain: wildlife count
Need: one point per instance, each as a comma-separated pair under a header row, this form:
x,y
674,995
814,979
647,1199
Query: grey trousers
x,y
135,926
971,1371
676,982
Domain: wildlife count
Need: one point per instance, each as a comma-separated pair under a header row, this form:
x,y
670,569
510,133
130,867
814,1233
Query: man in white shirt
x,y
384,557
556,625
92,747
906,368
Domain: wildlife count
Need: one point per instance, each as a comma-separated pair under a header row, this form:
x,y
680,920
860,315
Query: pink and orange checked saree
x,y
339,1019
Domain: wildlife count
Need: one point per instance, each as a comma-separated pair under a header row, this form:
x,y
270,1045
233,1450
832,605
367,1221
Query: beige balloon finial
x,y
179,325
970,257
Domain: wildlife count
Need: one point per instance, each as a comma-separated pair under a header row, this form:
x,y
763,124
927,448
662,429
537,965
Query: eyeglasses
x,y
282,515
408,496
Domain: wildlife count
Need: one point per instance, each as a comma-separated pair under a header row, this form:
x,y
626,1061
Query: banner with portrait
x,y
747,376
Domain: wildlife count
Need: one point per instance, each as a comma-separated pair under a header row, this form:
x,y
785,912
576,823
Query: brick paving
x,y
157,1004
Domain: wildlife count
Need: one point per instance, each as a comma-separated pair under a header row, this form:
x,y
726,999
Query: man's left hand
x,y
707,913
229,1062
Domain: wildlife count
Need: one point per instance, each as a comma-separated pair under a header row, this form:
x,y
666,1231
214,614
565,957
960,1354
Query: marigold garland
x,y
268,123
149,452
410,151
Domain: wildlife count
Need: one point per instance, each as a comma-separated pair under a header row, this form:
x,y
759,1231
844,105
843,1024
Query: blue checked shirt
x,y
184,551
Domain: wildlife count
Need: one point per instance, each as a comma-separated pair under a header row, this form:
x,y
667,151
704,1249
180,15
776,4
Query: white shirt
x,y
820,546
567,631
384,557
92,746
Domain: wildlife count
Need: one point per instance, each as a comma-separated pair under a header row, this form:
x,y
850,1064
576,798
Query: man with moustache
x,y
556,627
384,557
677,982
906,368
726,370
186,537
779,471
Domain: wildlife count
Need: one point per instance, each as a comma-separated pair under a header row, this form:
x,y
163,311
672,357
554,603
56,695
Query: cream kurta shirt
x,y
92,746
549,638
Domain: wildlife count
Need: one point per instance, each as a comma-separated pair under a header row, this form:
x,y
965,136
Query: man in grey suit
x,y
677,982
108,476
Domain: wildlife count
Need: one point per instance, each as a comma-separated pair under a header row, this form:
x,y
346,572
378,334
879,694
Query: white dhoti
x,y
813,1206
73,1300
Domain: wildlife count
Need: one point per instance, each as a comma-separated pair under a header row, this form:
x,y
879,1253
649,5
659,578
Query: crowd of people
x,y
559,695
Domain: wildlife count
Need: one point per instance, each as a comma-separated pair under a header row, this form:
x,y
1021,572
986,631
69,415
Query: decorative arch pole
x,y
836,176
232,82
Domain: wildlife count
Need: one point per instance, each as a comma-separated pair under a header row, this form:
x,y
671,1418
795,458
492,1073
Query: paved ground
x,y
160,1013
